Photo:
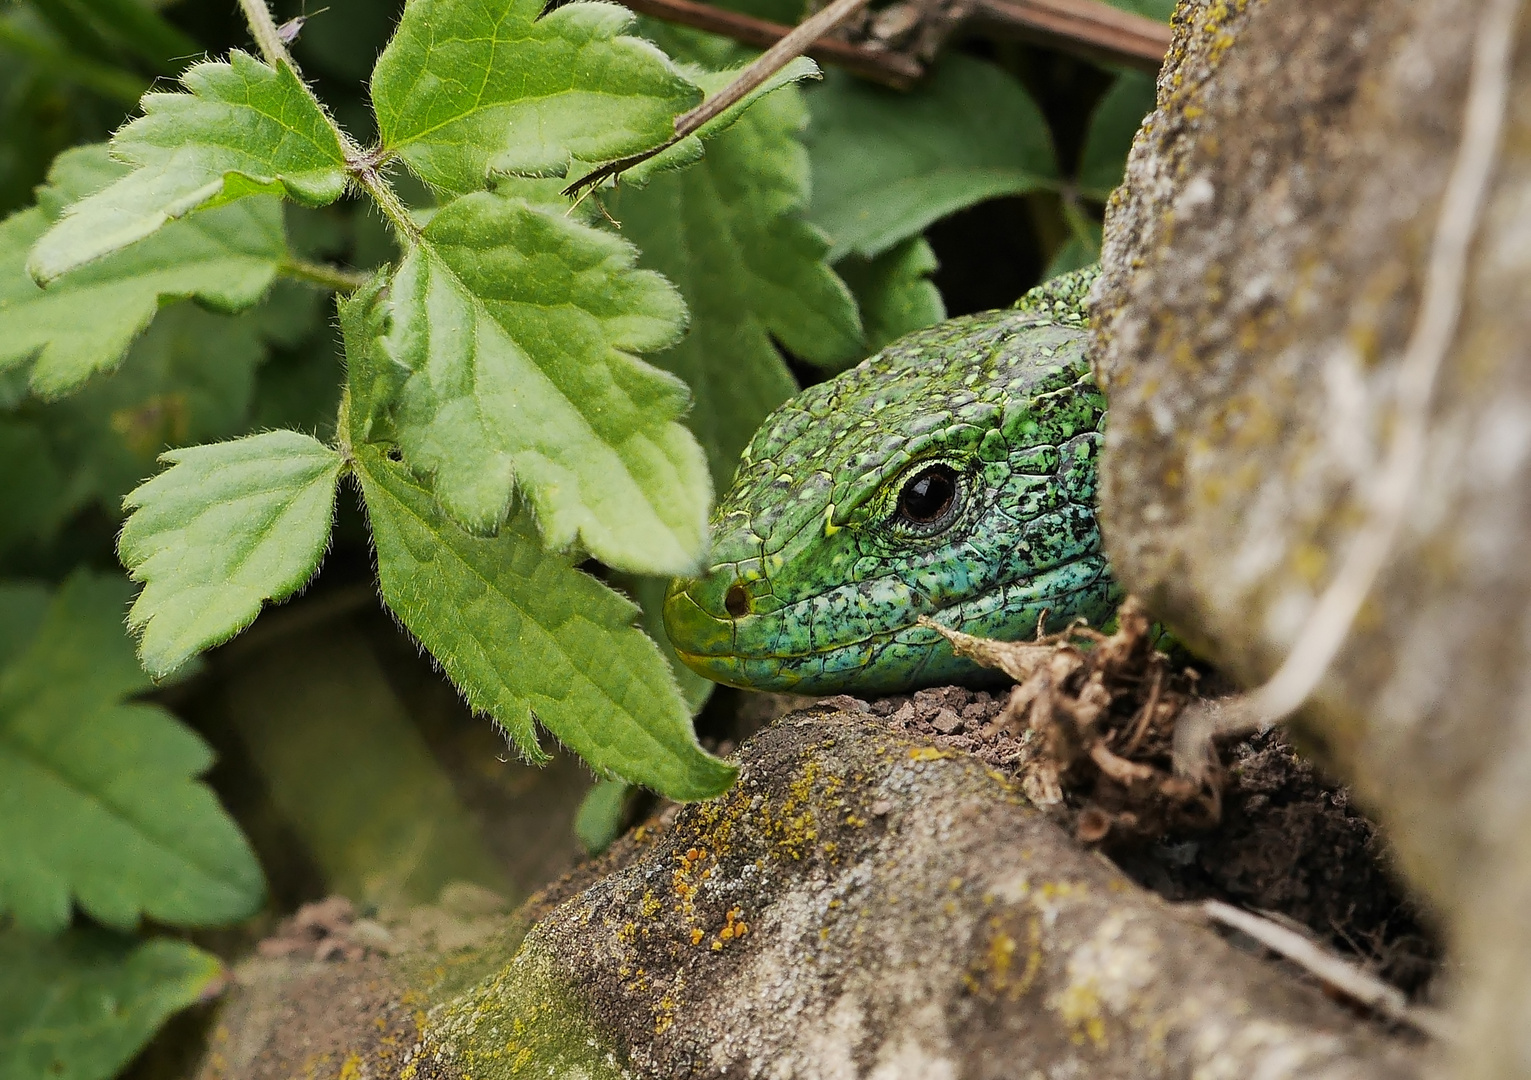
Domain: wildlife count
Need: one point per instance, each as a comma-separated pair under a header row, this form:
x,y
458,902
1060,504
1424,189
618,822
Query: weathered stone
x,y
859,905
1264,269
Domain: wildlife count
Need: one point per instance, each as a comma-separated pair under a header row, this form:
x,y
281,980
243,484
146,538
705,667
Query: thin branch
x,y
768,63
1087,27
889,68
1350,979
1440,309
334,278
756,73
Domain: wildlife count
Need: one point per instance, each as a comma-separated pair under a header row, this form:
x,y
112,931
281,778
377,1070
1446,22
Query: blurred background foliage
x,y
348,763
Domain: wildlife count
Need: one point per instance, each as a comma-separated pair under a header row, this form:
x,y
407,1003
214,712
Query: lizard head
x,y
952,475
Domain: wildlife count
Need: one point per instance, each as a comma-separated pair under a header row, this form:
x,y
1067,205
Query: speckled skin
x,y
835,583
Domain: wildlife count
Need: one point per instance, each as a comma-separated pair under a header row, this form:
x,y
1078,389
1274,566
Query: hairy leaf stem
x,y
334,278
363,165
263,27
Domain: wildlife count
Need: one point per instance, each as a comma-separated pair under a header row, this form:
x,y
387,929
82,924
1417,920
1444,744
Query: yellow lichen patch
x,y
929,753
994,971
1079,1005
1062,890
649,906
1001,953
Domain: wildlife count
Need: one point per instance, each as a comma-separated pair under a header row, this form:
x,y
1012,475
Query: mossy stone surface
x,y
1263,271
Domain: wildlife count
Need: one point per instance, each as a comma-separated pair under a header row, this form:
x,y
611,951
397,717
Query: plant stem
x,y
343,425
369,176
1087,28
768,63
82,71
334,278
1078,221
146,32
263,27
757,72
363,165
889,68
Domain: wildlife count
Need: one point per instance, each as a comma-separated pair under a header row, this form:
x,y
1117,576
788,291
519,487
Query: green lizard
x,y
951,475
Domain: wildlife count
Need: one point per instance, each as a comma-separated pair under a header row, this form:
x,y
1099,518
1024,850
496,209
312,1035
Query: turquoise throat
x,y
952,475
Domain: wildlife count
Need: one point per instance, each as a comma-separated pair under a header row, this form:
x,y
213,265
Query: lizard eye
x,y
928,496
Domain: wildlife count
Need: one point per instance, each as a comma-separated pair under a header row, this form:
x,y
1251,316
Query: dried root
x,y
1104,707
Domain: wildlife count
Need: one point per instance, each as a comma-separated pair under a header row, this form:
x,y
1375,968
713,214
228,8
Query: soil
x,y
1283,839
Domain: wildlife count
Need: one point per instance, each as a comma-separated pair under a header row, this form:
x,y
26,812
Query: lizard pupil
x,y
928,496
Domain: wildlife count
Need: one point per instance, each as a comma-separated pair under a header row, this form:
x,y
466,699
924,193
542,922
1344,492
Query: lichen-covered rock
x,y
860,905
1264,267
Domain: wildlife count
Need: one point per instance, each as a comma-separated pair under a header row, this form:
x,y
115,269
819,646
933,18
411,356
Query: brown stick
x,y
888,68
1088,27
755,73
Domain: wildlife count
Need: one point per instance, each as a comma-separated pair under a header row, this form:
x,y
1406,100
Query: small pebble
x,y
881,808
946,722
845,703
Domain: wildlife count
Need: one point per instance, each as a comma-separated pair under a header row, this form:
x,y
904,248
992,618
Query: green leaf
x,y
729,232
373,380
144,31
649,594
189,379
98,800
23,606
36,494
1080,251
528,637
516,328
390,829
226,528
245,129
1153,9
466,90
887,164
599,820
85,322
894,291
78,1007
1113,126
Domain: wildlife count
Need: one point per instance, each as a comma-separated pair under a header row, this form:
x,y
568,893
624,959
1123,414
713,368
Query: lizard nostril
x,y
736,601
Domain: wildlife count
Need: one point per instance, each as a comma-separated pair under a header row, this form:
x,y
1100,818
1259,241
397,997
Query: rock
x,y
860,905
1265,266
946,721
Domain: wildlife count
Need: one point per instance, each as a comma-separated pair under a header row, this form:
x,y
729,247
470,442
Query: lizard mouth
x,y
771,651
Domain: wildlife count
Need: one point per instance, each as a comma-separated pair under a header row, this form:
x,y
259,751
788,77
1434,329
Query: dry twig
x,y
889,68
1088,26
1350,979
754,75
1104,706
